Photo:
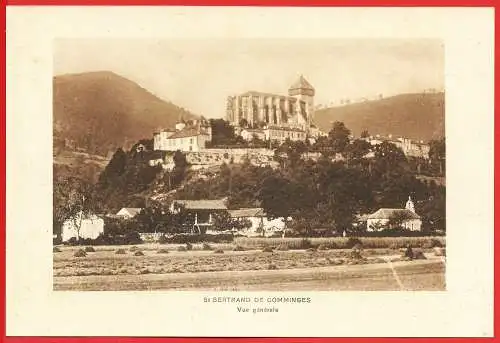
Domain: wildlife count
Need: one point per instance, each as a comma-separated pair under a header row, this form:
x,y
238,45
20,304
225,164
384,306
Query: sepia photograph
x,y
271,172
249,164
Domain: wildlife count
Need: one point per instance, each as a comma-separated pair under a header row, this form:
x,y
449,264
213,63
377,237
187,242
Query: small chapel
x,y
381,219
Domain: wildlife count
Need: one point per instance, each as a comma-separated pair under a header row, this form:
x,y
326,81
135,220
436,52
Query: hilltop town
x,y
265,137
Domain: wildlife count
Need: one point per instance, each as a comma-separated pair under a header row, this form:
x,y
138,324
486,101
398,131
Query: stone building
x,y
381,219
185,137
409,147
259,110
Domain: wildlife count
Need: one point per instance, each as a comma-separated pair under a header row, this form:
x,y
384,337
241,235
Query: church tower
x,y
409,205
302,90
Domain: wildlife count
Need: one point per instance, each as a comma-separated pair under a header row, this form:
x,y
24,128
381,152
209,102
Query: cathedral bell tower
x,y
409,205
303,90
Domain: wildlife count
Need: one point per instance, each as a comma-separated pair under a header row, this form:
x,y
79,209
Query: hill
x,y
417,116
97,112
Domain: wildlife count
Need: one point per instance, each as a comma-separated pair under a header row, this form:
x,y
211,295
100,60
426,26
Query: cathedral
x,y
263,110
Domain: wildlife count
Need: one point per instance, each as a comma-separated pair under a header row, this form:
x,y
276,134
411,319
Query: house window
x,y
191,141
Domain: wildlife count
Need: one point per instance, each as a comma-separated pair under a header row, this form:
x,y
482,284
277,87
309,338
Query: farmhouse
x,y
128,212
82,226
388,217
199,213
261,225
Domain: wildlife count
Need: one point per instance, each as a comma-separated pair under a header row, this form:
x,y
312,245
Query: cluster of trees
x,y
329,192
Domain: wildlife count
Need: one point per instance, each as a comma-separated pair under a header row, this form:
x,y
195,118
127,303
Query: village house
x,y
128,212
249,134
410,148
85,226
199,213
261,225
192,137
384,218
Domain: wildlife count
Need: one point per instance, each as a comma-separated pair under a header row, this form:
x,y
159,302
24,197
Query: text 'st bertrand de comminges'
x,y
263,301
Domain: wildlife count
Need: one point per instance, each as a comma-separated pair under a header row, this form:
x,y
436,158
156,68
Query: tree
x,y
114,169
437,153
222,132
223,221
389,159
275,197
397,219
180,167
243,123
339,137
364,134
73,200
357,149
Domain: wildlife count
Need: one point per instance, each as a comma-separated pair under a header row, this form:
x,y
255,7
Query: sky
x,y
199,75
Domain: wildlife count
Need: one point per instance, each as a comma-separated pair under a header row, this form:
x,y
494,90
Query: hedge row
x,y
206,238
342,242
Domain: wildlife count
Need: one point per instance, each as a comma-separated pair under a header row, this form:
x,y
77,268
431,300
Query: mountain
x,y
97,112
416,116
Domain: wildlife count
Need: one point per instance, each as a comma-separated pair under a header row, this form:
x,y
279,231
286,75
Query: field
x,y
162,267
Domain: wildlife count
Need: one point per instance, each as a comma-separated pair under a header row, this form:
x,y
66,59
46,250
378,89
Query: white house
x,y
82,226
249,134
380,220
184,138
129,212
261,225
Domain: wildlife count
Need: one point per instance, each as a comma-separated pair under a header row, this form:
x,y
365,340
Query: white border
x,y
465,309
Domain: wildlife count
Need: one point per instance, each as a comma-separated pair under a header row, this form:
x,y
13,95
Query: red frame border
x,y
274,3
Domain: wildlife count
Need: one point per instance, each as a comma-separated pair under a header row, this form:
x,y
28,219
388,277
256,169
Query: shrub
x,y
138,253
356,254
134,248
352,242
238,248
206,246
311,249
282,247
433,243
408,252
181,248
133,238
189,246
267,249
80,253
419,255
272,266
120,252
219,251
323,247
305,244
163,239
439,251
89,249
56,249
162,251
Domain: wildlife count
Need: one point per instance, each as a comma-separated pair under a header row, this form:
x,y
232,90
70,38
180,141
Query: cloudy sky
x,y
200,74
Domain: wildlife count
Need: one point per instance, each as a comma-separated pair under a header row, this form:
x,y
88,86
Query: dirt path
x,y
415,275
